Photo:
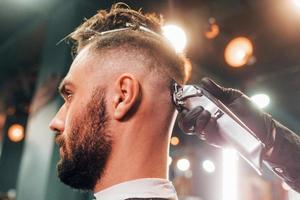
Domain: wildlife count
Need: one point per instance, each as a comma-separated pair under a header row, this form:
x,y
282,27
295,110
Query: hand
x,y
282,146
205,127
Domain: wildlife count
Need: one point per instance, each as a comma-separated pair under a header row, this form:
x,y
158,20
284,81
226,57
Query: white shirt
x,y
139,188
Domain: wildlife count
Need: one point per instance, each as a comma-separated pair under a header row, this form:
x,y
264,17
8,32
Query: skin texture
x,y
138,112
89,145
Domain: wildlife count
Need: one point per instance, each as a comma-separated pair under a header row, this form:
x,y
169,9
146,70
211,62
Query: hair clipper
x,y
230,127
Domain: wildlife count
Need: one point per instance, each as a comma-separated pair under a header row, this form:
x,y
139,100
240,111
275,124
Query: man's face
x,y
82,126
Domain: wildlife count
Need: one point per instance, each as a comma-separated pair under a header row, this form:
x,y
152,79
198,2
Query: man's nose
x,y
57,124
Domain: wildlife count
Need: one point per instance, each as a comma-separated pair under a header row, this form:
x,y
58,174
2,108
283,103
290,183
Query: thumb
x,y
226,95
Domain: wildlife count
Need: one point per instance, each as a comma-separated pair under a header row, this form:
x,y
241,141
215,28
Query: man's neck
x,y
143,157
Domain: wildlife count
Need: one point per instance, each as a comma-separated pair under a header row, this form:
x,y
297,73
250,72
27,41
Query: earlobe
x,y
127,96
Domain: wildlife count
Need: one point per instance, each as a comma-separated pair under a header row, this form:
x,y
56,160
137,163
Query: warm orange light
x,y
212,32
174,140
16,132
2,120
238,52
187,66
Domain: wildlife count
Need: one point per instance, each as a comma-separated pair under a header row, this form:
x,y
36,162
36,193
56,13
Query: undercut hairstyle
x,y
100,33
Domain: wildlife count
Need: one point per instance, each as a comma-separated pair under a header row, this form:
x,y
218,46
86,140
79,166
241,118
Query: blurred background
x,y
251,45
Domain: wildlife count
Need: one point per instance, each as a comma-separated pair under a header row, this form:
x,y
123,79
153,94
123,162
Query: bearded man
x,y
115,124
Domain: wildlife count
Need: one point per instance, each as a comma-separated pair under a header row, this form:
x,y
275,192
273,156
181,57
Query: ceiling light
x,y
176,36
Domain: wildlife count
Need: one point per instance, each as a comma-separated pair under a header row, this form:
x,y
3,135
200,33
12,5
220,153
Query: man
x,y
114,127
282,146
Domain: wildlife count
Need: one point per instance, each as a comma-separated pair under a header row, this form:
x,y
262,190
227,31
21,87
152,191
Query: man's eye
x,y
67,95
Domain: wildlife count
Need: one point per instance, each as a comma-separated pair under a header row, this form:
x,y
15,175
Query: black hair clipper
x,y
230,127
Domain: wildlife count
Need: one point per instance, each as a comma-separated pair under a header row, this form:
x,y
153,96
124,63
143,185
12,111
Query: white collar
x,y
139,188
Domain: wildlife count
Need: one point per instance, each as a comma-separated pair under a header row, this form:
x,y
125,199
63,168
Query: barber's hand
x,y
282,146
205,126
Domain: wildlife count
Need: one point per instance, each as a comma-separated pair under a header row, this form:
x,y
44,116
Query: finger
x,y
212,134
226,95
187,119
202,121
212,87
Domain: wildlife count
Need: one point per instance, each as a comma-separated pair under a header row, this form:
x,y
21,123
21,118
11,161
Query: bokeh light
x,y
16,132
213,32
297,3
230,171
183,164
170,159
261,100
208,166
12,194
214,29
285,186
176,36
238,52
174,141
2,120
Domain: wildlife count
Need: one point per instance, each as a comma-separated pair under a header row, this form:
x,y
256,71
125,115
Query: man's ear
x,y
127,96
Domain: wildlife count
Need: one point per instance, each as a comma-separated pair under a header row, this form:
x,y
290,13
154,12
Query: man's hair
x,y
99,31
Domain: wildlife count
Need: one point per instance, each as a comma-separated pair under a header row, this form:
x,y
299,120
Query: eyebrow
x,y
62,86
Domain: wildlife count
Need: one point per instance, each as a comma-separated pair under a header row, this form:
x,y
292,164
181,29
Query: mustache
x,y
59,140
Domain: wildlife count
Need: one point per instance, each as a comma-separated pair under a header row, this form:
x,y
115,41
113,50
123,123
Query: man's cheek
x,y
67,144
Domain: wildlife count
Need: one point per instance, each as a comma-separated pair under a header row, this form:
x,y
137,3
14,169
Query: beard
x,y
89,144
